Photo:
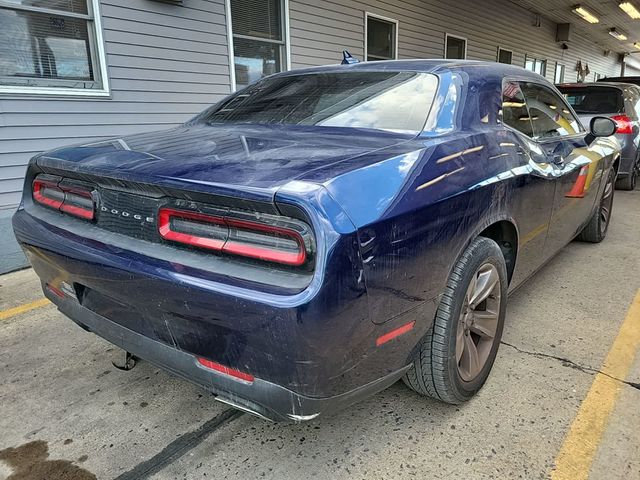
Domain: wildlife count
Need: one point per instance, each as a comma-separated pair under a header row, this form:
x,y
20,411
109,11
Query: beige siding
x,y
320,30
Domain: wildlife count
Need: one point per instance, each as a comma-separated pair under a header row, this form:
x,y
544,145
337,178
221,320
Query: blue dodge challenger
x,y
323,233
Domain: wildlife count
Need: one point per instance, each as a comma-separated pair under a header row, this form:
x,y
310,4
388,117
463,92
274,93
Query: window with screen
x,y
536,65
381,38
550,115
259,47
455,47
558,76
514,109
505,56
51,45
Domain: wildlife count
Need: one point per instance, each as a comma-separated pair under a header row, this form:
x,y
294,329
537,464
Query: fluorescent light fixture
x,y
637,45
630,9
617,35
585,14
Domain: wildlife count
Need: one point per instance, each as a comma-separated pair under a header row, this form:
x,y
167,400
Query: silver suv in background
x,y
621,103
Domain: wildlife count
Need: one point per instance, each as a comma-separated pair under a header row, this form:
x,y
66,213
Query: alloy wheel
x,y
478,322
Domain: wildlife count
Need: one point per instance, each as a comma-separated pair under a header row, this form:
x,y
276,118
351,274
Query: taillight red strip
x,y
232,372
77,211
164,227
289,258
65,204
623,123
227,245
38,193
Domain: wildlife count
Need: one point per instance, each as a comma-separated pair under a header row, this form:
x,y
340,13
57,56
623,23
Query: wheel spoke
x,y
485,284
471,288
470,361
459,343
608,190
485,323
478,321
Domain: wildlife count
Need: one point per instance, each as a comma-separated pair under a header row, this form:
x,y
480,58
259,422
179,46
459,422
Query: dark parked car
x,y
317,236
621,103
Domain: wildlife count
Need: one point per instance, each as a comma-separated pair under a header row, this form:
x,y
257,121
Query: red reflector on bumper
x,y
395,333
56,291
237,374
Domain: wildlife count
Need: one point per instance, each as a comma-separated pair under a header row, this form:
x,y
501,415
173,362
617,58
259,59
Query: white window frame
x,y
100,57
555,72
498,54
457,37
536,59
366,32
231,55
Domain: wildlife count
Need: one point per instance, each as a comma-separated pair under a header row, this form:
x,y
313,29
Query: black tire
x,y
628,182
436,371
596,230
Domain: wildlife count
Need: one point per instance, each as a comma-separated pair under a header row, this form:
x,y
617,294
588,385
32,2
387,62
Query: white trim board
x,y
101,57
385,19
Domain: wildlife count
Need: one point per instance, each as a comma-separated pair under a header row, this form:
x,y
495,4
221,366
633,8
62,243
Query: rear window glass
x,y
396,101
594,99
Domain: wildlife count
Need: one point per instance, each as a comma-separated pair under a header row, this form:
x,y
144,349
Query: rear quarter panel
x,y
416,214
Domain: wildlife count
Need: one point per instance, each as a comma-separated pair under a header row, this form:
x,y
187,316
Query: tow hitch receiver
x,y
128,364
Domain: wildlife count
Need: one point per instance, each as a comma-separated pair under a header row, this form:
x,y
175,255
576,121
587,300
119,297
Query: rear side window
x,y
550,115
594,100
514,109
395,101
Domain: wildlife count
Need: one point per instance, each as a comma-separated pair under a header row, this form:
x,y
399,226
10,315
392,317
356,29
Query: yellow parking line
x,y
12,312
581,443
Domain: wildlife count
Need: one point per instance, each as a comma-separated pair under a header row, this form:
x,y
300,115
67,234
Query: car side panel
x,y
578,182
410,239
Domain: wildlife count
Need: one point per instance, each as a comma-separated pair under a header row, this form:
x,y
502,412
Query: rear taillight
x,y
248,238
46,192
623,123
75,200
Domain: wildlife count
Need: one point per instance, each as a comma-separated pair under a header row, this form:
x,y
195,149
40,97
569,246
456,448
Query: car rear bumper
x,y
628,154
309,353
259,397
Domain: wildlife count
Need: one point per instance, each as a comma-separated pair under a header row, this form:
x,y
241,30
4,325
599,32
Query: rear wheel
x,y
596,229
628,182
456,355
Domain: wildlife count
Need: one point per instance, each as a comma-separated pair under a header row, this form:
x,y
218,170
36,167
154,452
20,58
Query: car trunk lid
x,y
249,160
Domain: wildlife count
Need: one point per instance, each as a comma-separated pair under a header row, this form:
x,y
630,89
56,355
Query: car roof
x,y
435,66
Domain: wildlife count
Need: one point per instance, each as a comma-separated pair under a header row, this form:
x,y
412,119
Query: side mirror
x,y
601,127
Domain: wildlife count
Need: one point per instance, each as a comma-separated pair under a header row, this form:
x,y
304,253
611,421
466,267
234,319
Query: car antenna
x,y
348,59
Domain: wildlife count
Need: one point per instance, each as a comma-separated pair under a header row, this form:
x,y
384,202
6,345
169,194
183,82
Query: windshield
x,y
585,100
396,101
